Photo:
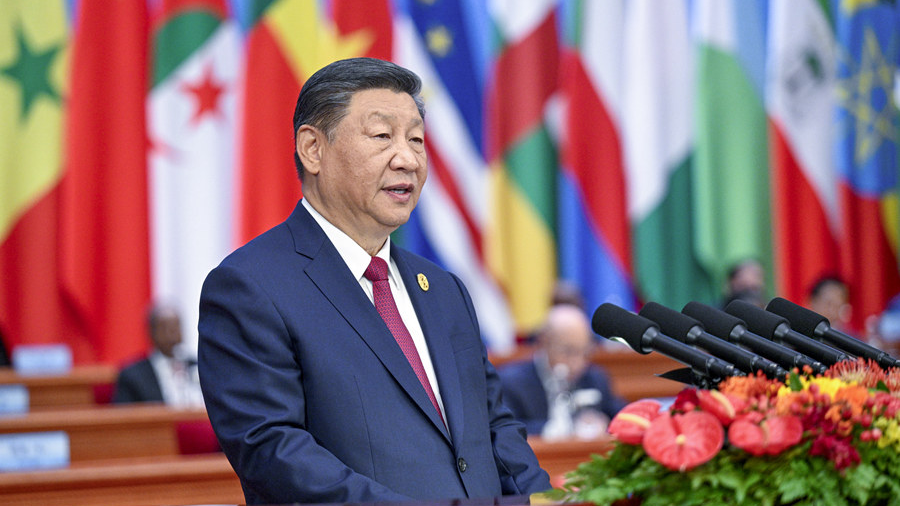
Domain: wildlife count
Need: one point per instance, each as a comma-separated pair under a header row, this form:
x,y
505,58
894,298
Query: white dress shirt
x,y
178,381
357,260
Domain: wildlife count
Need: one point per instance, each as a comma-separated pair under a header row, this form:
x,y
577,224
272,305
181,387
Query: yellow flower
x,y
828,386
890,432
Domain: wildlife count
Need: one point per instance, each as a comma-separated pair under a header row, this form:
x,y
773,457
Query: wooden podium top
x,y
78,387
111,432
188,479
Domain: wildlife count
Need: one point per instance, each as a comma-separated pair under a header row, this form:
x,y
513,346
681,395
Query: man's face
x,y
371,173
832,303
166,333
567,340
750,277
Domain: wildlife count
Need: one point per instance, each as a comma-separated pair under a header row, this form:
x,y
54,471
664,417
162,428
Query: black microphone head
x,y
717,322
671,322
759,321
612,321
802,320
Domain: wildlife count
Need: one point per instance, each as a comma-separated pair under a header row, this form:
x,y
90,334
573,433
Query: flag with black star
x,y
33,55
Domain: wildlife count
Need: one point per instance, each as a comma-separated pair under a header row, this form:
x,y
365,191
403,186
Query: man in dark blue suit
x,y
559,393
164,375
316,393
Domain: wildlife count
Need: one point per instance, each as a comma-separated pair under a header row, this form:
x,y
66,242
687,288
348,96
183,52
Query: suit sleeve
x,y
520,473
253,388
126,389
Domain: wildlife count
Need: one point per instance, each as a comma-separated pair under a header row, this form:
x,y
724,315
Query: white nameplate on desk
x,y
42,359
34,450
13,399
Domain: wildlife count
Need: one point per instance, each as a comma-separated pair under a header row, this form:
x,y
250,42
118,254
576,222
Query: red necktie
x,y
377,273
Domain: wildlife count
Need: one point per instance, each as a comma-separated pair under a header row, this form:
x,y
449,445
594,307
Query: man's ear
x,y
309,147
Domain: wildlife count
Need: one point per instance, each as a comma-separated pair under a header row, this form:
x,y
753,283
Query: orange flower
x,y
749,386
834,413
855,396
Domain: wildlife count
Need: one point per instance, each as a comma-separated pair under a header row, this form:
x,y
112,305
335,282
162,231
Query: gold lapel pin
x,y
423,282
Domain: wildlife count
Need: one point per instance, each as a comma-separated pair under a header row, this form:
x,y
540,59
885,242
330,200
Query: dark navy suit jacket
x,y
137,383
312,399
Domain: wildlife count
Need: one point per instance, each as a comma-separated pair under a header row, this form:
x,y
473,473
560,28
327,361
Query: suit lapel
x,y
331,276
439,346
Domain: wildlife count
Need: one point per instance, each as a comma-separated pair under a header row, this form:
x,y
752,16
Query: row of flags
x,y
637,149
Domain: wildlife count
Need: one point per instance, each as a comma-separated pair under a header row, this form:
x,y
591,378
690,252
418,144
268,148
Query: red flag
x,y
32,308
104,223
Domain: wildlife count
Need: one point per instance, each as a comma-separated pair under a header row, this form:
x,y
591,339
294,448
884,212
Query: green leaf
x,y
794,382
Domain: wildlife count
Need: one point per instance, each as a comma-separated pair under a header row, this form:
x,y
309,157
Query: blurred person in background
x,y
747,282
165,375
559,393
830,297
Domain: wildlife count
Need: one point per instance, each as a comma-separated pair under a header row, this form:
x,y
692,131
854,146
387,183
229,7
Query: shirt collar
x,y
356,258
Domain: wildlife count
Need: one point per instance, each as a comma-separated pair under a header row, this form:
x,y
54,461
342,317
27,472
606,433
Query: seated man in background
x,y
163,376
559,392
830,297
747,282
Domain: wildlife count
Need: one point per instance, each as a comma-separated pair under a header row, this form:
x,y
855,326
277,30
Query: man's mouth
x,y
400,189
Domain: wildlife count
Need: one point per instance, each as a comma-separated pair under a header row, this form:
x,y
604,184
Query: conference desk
x,y
111,432
188,479
196,479
78,387
560,457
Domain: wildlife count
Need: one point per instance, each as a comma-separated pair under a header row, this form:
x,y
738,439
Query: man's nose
x,y
405,157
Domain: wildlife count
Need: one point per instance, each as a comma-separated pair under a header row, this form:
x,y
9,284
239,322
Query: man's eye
x,y
383,136
417,140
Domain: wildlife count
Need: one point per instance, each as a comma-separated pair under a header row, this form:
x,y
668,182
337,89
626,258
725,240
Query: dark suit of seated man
x,y
559,393
337,367
163,376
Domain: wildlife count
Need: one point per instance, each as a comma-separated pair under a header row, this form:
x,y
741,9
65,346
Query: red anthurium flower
x,y
685,401
725,407
632,421
684,441
769,436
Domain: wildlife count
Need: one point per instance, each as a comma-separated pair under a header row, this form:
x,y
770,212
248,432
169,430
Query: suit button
x,y
461,464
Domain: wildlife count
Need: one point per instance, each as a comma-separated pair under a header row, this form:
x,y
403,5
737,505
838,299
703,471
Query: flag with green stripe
x,y
191,116
519,242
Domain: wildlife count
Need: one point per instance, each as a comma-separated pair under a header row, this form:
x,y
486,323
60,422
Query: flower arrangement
x,y
827,439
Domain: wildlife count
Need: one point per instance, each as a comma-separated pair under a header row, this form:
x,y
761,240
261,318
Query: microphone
x,y
735,330
643,336
814,325
776,328
690,331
